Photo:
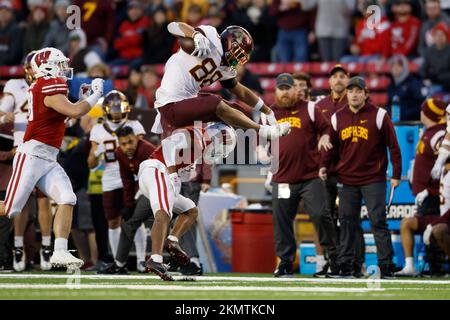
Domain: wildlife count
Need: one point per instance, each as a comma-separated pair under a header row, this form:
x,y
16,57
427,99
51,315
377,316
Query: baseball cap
x,y
6,4
443,27
356,82
285,79
338,67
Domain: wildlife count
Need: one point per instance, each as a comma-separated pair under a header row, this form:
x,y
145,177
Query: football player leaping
x,y
14,108
214,58
104,143
35,163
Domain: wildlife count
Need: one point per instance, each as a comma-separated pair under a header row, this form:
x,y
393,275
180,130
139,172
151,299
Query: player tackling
x,y
35,160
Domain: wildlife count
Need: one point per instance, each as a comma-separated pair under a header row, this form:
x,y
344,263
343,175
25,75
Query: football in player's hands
x,y
186,44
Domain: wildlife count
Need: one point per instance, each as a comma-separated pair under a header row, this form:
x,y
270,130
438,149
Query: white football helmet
x,y
51,62
220,141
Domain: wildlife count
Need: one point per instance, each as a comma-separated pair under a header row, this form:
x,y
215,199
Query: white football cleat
x,y
45,253
19,259
63,258
275,131
407,272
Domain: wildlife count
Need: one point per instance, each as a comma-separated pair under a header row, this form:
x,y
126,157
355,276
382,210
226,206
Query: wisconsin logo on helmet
x,y
41,57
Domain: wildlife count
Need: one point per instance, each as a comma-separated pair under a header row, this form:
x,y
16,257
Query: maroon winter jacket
x,y
299,158
362,140
328,106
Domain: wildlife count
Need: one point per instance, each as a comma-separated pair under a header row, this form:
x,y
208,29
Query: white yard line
x,y
182,288
218,278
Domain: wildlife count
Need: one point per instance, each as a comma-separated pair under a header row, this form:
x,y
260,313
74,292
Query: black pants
x,y
100,226
285,210
5,231
430,206
350,201
188,242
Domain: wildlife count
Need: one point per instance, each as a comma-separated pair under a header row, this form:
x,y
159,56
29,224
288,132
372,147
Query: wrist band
x,y
92,99
259,104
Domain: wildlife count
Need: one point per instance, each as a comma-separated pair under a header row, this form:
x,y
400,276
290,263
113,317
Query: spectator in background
x,y
294,27
80,55
265,36
58,34
216,18
302,85
405,29
186,7
10,36
406,87
332,27
98,19
194,15
436,66
134,83
36,30
150,81
239,16
129,42
434,16
158,42
369,43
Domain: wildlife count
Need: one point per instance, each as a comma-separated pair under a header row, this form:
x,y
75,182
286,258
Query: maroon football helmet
x,y
29,74
237,45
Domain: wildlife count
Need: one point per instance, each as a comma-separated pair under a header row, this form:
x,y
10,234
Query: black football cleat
x,y
176,253
284,270
113,268
191,269
160,269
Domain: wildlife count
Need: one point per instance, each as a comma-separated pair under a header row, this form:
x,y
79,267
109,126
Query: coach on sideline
x,y
297,174
361,134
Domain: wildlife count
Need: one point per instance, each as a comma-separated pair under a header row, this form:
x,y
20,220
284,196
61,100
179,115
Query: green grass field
x,y
60,285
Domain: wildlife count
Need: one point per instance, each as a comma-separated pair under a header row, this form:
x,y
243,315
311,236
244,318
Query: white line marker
x,y
219,278
184,288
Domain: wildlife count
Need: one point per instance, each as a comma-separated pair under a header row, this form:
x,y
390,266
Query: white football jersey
x,y
185,75
18,90
101,135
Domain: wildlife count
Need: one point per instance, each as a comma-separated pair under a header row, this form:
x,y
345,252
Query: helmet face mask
x,y
237,45
116,106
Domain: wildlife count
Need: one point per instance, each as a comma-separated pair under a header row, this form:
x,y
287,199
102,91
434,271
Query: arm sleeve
x,y
127,178
323,126
394,149
171,145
